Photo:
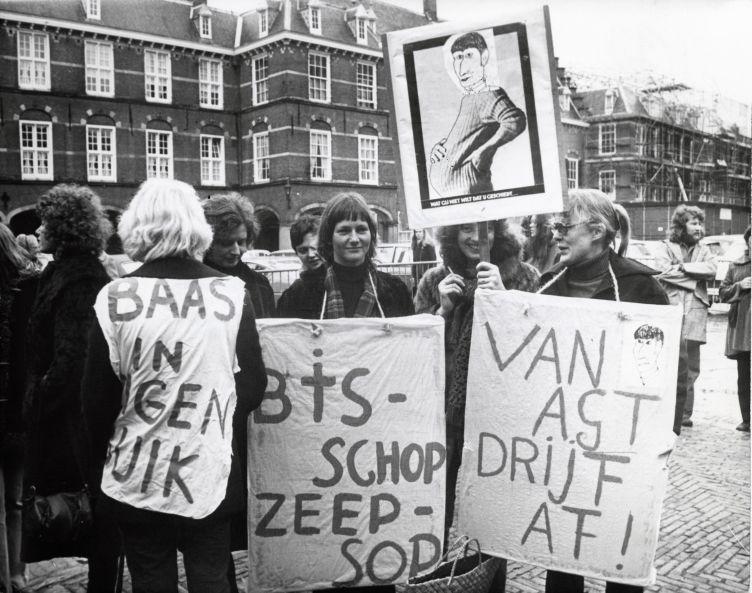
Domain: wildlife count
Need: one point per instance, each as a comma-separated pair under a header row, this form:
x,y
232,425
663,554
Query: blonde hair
x,y
597,209
164,219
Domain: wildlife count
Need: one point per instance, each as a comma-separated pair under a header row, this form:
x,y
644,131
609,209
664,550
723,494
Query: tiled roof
x,y
171,19
164,18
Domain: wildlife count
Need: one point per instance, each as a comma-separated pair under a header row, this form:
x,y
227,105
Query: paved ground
x,y
705,531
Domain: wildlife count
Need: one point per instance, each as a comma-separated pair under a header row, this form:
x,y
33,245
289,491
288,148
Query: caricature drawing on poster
x,y
476,119
465,160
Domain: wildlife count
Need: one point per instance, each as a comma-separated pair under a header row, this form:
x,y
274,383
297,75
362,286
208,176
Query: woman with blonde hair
x,y
589,268
178,339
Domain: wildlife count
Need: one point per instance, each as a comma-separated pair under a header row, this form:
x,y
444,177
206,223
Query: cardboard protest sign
x,y
570,406
476,119
347,453
170,343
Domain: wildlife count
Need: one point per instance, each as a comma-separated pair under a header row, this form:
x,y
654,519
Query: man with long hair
x,y
686,266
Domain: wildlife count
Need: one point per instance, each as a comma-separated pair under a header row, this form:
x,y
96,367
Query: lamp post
x,y
5,198
288,191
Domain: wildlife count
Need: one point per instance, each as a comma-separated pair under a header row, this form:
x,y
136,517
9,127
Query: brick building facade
x,y
286,104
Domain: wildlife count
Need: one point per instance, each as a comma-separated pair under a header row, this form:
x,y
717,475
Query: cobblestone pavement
x,y
705,529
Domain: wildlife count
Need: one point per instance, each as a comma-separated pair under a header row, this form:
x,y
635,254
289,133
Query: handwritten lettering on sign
x,y
172,437
569,412
347,454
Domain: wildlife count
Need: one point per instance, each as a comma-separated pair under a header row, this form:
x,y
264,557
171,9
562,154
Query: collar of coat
x,y
623,267
175,267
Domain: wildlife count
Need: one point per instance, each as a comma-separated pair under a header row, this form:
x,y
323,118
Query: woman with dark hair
x,y
18,281
590,269
72,229
352,286
234,226
736,291
187,358
423,251
449,290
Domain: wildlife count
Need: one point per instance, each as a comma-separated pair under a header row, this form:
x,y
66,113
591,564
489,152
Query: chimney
x,y
429,9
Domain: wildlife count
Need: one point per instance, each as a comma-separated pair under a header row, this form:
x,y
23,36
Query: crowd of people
x,y
75,347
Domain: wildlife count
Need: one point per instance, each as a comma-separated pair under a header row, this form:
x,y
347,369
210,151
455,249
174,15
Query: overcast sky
x,y
706,44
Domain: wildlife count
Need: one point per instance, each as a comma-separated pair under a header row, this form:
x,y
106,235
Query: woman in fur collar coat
x,y
72,229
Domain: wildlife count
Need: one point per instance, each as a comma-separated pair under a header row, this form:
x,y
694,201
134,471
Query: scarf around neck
x,y
334,307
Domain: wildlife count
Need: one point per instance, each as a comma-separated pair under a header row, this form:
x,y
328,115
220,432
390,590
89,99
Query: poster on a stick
x,y
476,119
347,453
568,429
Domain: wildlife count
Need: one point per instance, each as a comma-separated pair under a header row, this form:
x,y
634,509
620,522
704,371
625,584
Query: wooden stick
x,y
483,244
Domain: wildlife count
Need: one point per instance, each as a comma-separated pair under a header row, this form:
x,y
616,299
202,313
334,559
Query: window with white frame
x,y
640,138
318,77
368,159
261,157
157,76
212,160
210,80
607,182
36,150
573,173
321,155
361,27
260,80
100,71
264,22
158,154
100,153
704,186
204,26
314,17
33,61
93,9
607,138
656,143
365,82
608,107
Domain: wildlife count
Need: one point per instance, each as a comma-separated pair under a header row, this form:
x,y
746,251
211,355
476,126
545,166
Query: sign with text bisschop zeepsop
x,y
570,407
476,119
347,453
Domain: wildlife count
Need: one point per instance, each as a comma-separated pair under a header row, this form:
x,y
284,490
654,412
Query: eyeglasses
x,y
563,228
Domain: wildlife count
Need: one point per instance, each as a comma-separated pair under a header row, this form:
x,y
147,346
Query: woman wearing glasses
x,y
590,269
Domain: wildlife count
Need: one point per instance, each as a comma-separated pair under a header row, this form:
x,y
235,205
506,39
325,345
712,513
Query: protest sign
x,y
347,454
168,341
476,119
570,405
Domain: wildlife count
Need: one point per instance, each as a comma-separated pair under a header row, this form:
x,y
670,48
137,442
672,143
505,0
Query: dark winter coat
x,y
294,301
257,285
304,299
102,390
738,332
637,283
60,321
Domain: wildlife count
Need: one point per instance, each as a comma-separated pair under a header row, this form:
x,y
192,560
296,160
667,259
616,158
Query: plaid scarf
x,y
335,304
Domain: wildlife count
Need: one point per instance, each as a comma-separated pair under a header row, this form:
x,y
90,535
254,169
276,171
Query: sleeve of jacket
x,y
665,262
426,296
250,381
74,316
653,293
404,299
101,393
730,291
705,266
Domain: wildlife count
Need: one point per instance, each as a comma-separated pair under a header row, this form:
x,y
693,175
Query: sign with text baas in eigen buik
x,y
347,453
568,427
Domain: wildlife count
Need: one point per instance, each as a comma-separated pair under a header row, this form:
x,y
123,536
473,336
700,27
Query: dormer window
x,y
608,108
204,26
314,16
264,22
361,27
564,99
93,9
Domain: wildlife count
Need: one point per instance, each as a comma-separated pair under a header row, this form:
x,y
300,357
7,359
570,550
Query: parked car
x,y
253,253
280,270
642,251
726,249
394,253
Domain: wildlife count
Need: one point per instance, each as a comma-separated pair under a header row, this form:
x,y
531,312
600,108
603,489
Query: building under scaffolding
x,y
653,143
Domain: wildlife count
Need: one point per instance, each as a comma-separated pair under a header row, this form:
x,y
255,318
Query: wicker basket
x,y
467,573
